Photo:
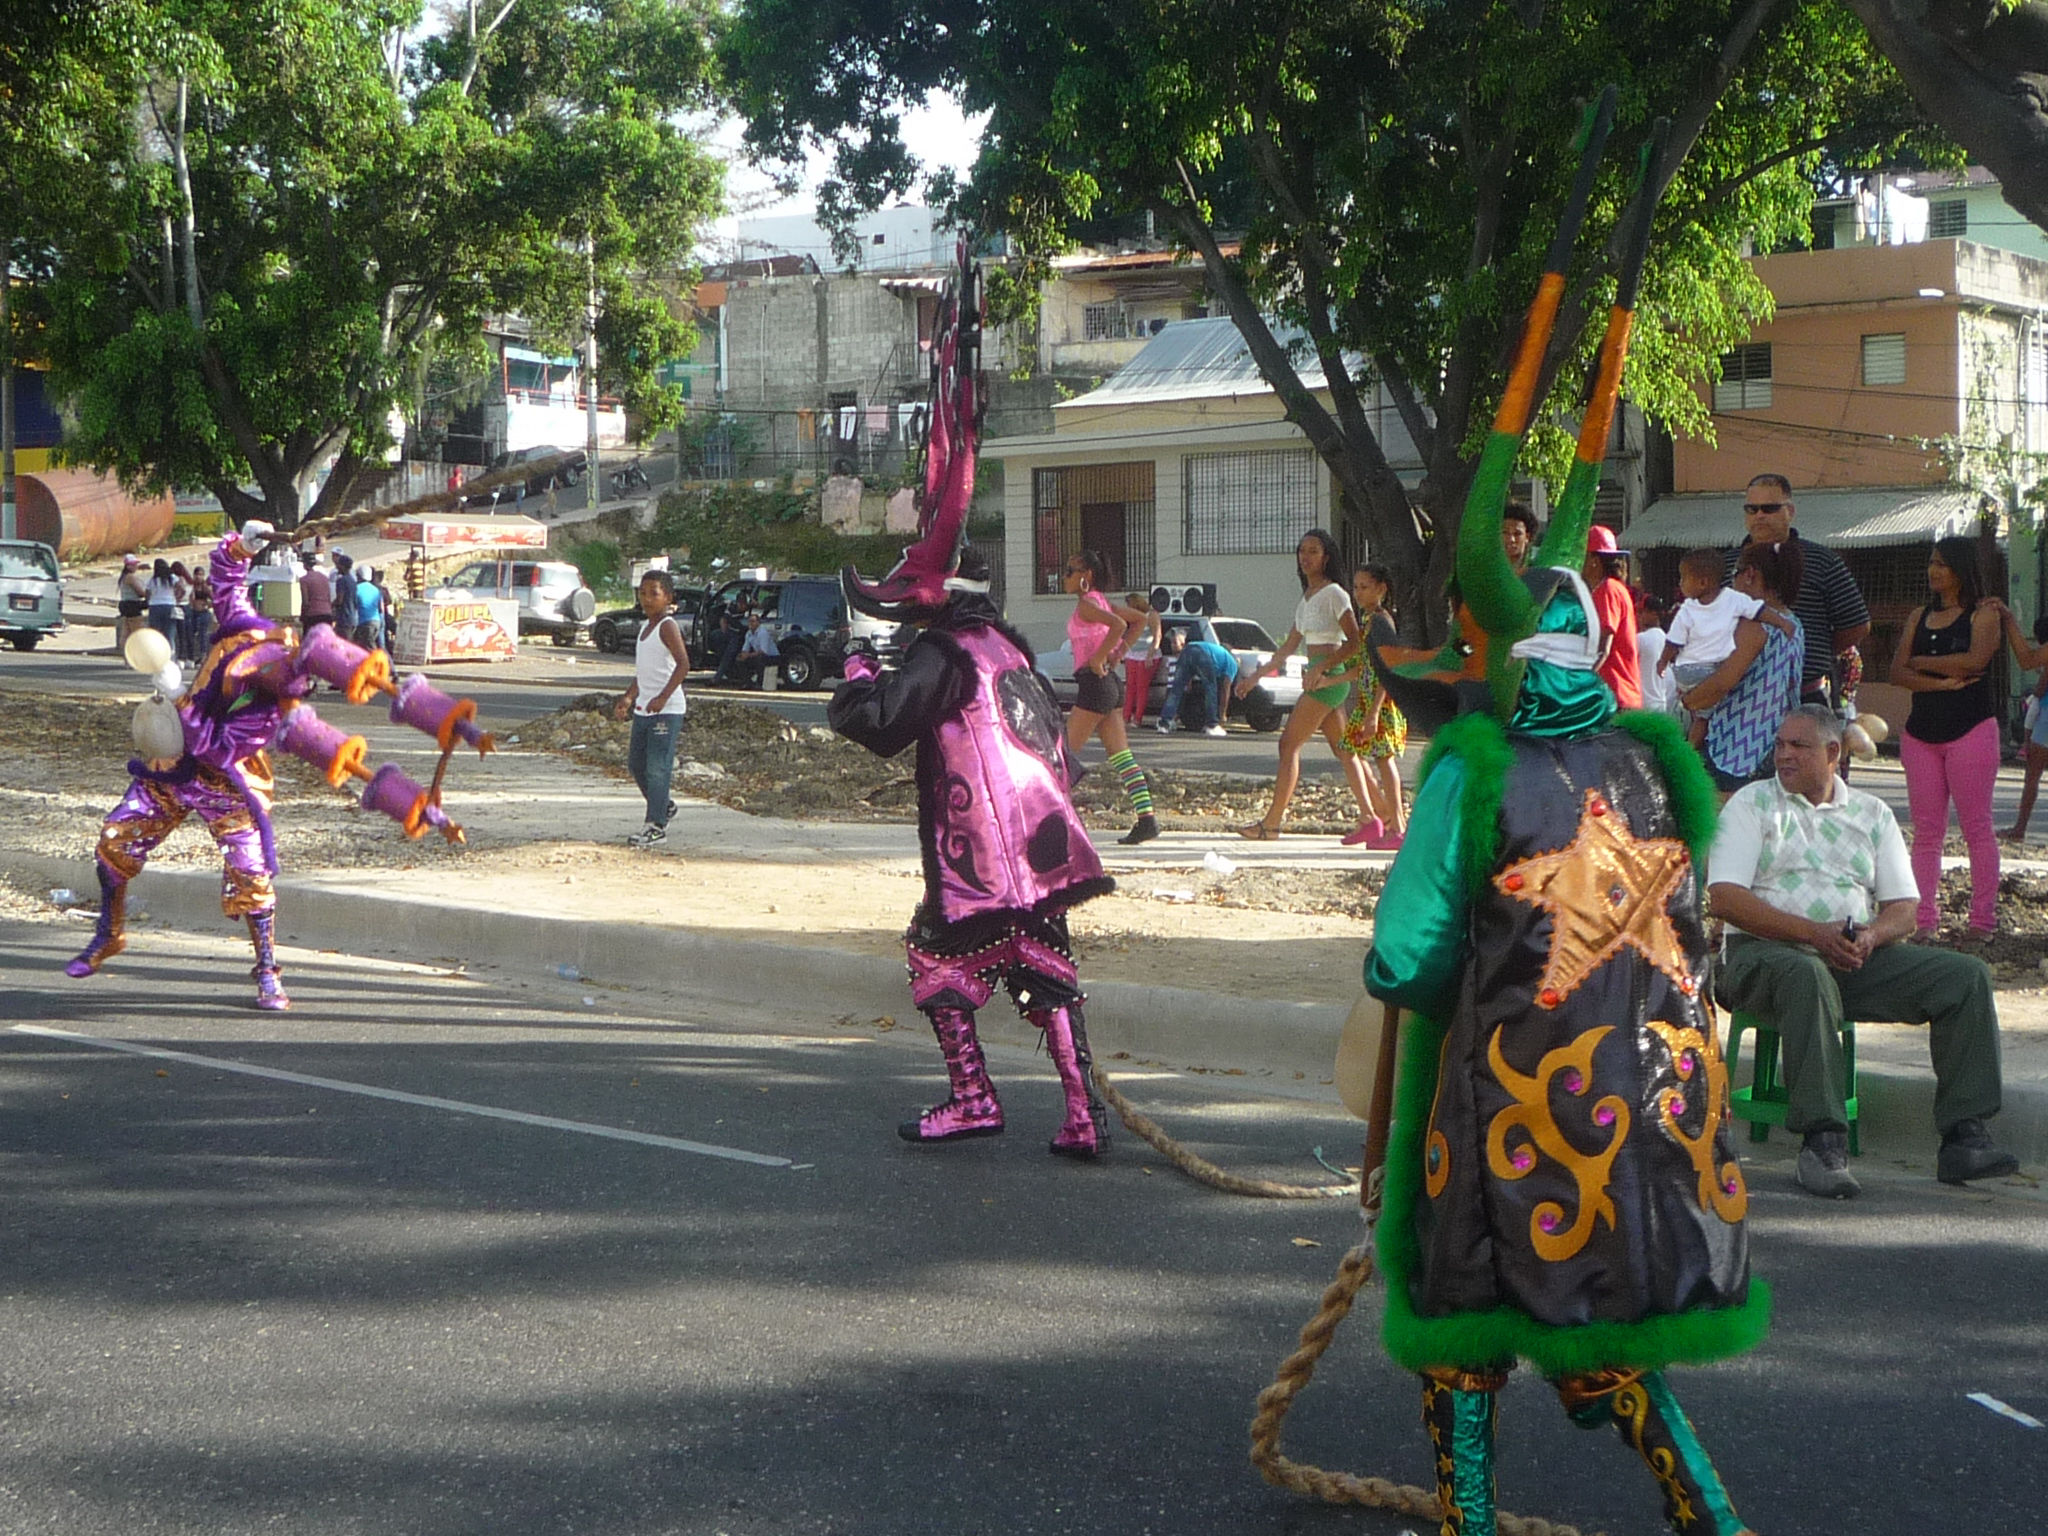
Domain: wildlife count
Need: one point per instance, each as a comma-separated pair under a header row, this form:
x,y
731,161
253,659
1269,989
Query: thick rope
x,y
1345,1487
1200,1168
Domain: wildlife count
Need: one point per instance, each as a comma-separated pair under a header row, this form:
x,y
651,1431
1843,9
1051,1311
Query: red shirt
x,y
1622,670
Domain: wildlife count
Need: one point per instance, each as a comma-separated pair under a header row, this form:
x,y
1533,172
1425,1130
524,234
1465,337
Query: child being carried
x,y
1702,634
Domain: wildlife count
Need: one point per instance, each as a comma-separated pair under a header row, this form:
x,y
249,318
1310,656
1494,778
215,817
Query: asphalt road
x,y
235,1304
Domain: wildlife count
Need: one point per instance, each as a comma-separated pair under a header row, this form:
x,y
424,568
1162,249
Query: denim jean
x,y
1176,690
651,758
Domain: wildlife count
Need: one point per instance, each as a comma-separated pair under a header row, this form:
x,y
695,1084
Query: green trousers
x,y
1805,1000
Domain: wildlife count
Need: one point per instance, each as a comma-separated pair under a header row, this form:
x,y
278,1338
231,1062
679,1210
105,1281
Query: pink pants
x,y
1963,770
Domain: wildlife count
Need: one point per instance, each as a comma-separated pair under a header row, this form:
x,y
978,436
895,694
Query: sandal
x,y
1257,832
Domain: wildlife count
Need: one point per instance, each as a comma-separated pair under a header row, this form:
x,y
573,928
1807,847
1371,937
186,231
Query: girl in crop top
x,y
1098,631
1326,629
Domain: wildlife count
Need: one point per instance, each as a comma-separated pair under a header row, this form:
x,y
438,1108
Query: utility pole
x,y
8,528
593,469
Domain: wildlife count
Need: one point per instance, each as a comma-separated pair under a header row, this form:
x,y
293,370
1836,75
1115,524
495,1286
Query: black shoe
x,y
1146,829
1824,1166
670,814
1967,1153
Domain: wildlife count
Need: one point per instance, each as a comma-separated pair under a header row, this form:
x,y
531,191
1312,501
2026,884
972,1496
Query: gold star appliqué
x,y
1606,888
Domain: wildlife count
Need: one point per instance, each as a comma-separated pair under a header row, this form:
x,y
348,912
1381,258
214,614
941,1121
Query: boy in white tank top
x,y
655,702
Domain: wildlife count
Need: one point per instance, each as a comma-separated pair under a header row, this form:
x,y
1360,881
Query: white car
x,y
1246,639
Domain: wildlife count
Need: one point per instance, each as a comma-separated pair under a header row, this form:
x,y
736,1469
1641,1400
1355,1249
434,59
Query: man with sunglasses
x,y
1830,605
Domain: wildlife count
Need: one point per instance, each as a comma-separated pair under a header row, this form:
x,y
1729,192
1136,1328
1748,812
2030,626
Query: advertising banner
x,y
449,533
459,629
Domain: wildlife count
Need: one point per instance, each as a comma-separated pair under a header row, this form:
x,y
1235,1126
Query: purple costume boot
x,y
972,1109
270,993
109,934
1086,1131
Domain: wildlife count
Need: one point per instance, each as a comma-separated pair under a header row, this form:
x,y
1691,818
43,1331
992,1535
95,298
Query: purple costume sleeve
x,y
228,580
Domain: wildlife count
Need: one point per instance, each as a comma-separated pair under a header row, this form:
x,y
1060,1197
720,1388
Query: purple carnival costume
x,y
244,701
1005,853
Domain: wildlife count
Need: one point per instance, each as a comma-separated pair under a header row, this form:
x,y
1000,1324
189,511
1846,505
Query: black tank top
x,y
1948,715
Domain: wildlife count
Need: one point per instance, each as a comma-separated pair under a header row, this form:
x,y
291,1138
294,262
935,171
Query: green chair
x,y
1764,1102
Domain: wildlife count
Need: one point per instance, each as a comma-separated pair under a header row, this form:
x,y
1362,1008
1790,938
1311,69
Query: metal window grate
x,y
1247,503
1884,358
1745,383
1949,220
1108,507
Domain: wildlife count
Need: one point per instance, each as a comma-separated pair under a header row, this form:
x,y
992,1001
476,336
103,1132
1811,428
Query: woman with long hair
x,y
1376,733
1949,747
1097,629
1327,631
1759,679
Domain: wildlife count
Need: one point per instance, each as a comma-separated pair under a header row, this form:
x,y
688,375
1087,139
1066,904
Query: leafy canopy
x,y
361,192
1393,167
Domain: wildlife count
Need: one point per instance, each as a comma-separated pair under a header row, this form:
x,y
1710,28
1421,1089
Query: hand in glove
x,y
253,536
862,668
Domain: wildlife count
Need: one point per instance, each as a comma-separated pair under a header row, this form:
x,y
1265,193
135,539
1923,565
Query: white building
x,y
888,240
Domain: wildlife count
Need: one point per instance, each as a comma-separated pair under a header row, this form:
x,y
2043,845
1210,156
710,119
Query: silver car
x,y
1264,709
31,592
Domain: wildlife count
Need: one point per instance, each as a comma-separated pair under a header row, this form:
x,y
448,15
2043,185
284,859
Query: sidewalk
x,y
806,917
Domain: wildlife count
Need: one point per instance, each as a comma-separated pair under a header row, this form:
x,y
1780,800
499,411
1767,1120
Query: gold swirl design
x,y
1722,1190
1632,1413
1530,1114
1436,1151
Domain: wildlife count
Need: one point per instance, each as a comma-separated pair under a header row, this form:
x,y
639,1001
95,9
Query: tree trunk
x,y
187,216
1982,74
9,529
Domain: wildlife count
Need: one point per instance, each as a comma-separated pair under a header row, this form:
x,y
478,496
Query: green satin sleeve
x,y
1419,925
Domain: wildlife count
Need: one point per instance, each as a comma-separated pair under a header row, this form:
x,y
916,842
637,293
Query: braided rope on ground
x,y
1201,1169
1345,1487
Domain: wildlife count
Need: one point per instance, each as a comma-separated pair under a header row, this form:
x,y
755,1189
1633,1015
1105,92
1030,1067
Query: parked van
x,y
31,592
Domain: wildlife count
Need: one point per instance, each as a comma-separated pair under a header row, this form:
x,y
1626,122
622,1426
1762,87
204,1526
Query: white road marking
x,y
2005,1410
425,1101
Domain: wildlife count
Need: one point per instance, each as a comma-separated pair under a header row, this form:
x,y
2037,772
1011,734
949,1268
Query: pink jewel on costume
x,y
1523,1159
1729,1186
1604,1115
1548,1221
1677,1106
1574,1082
1687,1060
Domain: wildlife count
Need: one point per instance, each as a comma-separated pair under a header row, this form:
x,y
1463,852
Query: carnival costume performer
x,y
1560,1186
1005,853
205,751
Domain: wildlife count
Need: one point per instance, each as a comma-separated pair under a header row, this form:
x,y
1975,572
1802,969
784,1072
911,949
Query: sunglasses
x,y
1763,506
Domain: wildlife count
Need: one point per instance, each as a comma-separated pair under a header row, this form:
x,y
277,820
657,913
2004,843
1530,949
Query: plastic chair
x,y
1764,1102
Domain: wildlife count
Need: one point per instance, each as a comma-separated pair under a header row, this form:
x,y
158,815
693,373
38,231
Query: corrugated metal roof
x,y
1196,360
1862,517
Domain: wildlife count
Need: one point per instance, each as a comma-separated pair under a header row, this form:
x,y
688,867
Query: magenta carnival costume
x,y
1005,853
244,701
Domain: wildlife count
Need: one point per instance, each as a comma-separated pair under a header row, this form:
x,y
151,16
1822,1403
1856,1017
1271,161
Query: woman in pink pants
x,y
1950,744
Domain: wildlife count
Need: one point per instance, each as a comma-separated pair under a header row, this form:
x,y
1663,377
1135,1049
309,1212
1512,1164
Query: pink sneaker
x,y
1365,832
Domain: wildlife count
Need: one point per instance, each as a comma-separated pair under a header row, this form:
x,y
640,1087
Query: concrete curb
x,y
1285,1048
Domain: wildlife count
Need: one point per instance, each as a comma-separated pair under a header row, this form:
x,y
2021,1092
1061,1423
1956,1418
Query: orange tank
x,y
82,514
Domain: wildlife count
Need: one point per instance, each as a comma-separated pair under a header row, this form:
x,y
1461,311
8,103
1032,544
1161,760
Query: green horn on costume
x,y
1500,604
1564,542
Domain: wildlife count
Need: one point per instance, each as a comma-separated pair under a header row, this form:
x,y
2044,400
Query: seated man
x,y
1209,670
758,652
1813,878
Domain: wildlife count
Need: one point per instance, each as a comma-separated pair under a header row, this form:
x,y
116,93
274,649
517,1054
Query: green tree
x,y
308,197
1394,167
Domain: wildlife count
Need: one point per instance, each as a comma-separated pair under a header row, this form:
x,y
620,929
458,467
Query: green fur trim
x,y
1693,800
1476,1340
1482,746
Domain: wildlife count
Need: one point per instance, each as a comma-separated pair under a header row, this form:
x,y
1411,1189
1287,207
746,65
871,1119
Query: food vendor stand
x,y
461,626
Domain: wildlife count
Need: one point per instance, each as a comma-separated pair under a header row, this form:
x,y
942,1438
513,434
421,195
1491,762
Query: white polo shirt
x,y
1827,863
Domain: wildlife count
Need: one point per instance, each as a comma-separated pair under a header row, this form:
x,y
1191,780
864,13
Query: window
x,y
1823,229
1105,507
1105,322
1884,358
1949,220
1247,503
1745,379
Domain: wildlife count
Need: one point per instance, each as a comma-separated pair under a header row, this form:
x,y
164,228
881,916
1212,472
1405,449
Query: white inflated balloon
x,y
170,680
146,651
159,734
1874,725
1858,741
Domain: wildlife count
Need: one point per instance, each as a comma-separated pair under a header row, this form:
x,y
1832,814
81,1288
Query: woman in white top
x,y
1324,624
165,608
656,703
